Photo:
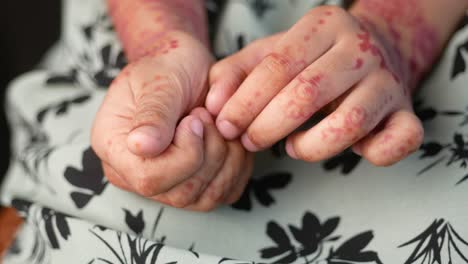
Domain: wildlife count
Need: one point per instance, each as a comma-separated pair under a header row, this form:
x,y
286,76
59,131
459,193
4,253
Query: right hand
x,y
153,142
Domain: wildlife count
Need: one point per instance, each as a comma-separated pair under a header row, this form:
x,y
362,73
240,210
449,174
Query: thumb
x,y
158,107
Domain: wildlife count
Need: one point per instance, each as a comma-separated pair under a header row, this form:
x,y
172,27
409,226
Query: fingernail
x,y
145,140
248,144
197,127
211,100
227,129
290,150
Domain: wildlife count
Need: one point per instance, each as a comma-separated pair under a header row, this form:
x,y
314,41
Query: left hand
x,y
273,86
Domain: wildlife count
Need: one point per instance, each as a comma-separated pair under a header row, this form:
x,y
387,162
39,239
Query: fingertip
x,y
213,103
227,129
248,144
197,128
146,141
357,149
290,149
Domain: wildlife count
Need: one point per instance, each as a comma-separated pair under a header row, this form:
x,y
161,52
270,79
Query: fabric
x,y
342,210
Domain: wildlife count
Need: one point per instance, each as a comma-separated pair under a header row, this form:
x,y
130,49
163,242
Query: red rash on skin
x,y
321,21
356,118
189,186
168,16
306,37
365,45
353,120
358,64
328,13
421,39
305,93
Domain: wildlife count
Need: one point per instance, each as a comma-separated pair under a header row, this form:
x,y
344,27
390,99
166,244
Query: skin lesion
x,y
358,63
305,93
409,30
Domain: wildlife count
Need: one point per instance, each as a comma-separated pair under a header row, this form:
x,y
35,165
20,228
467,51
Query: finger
x,y
319,84
359,113
239,186
158,107
289,57
215,151
228,74
152,176
114,178
402,134
219,187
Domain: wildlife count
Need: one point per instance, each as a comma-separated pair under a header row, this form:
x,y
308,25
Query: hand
x,y
143,146
273,86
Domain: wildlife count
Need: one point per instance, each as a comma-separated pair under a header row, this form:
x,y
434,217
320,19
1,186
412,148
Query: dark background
x,y
28,29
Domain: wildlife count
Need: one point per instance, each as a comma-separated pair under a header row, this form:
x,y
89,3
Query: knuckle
x,y
307,89
151,109
355,120
219,150
219,68
277,64
194,159
240,113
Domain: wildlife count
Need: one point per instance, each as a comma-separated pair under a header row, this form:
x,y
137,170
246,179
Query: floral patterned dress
x,y
343,210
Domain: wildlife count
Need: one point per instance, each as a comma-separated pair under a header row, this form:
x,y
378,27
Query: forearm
x,y
418,29
142,25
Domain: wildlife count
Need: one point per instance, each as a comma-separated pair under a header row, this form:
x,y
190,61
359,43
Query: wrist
x,y
142,26
412,43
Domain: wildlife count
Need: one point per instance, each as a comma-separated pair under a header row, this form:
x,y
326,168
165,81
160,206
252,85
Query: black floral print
x,y
98,65
54,224
347,160
455,152
234,261
62,107
428,113
312,239
461,55
438,243
260,188
90,180
135,223
140,250
260,7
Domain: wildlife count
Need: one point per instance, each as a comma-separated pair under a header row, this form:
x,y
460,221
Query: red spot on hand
x,y
189,186
306,37
328,13
314,29
174,44
358,64
321,21
356,118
